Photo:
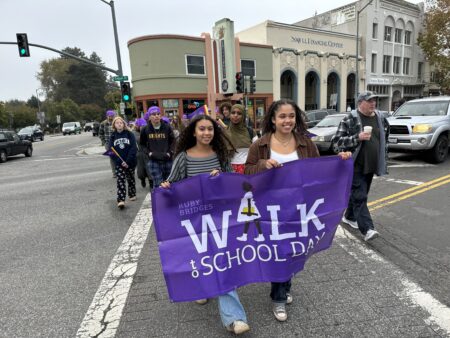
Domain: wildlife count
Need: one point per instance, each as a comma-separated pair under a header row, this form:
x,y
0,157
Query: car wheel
x,y
439,152
29,152
334,148
42,138
33,139
3,157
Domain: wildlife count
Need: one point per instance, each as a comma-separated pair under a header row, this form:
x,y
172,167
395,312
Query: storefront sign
x,y
314,42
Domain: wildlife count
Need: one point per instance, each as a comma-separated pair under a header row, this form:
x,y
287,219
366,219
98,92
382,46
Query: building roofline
x,y
296,27
164,36
250,44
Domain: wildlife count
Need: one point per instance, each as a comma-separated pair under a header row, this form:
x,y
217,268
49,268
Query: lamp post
x,y
116,37
39,105
357,51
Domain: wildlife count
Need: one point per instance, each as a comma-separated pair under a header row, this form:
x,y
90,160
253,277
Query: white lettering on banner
x,y
207,222
276,236
310,216
249,253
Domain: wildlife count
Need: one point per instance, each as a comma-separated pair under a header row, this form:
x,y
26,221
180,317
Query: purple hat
x,y
140,122
153,110
146,116
110,113
184,117
165,119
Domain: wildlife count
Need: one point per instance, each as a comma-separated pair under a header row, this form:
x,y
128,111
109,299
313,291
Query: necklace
x,y
285,143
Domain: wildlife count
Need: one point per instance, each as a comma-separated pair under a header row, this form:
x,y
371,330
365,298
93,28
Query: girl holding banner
x,y
203,148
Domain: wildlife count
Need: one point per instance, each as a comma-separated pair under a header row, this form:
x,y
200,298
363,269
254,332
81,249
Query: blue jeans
x,y
279,291
158,171
357,209
230,308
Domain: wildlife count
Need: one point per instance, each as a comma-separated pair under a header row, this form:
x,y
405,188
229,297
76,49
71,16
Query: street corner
x,y
95,150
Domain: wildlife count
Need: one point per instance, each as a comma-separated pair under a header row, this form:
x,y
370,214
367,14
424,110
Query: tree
x,y
20,114
33,102
4,121
435,40
112,99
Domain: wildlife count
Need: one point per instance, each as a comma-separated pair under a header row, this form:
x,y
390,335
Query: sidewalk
x,y
346,291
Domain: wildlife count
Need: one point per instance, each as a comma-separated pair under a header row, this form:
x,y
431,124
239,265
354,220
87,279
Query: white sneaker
x,y
260,238
238,327
371,234
201,301
289,298
279,310
353,224
242,238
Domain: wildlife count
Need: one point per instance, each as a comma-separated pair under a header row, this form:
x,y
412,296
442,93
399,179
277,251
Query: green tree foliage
x,y
67,109
20,114
92,112
4,122
66,78
112,99
435,40
33,102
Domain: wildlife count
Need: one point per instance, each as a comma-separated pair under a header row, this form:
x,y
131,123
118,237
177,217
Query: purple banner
x,y
200,225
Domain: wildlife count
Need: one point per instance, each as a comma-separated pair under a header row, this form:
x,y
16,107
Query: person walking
x,y
285,138
364,132
203,148
241,136
142,156
158,140
104,133
123,149
224,111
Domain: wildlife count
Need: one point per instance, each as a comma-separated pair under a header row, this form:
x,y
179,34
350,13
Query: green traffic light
x,y
126,97
23,51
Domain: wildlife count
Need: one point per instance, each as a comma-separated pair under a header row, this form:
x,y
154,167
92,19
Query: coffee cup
x,y
368,129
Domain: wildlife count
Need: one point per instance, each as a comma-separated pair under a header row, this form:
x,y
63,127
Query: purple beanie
x,y
153,110
140,122
110,113
165,119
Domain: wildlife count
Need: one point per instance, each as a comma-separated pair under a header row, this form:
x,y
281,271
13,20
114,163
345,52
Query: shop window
x,y
248,67
152,103
260,110
195,64
191,105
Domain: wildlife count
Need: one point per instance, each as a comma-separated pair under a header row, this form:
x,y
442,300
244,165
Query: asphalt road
x,y
60,228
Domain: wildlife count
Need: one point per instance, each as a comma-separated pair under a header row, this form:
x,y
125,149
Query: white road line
x,y
103,316
439,314
411,165
395,180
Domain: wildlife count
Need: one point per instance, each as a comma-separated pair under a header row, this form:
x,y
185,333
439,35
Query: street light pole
x,y
116,36
357,51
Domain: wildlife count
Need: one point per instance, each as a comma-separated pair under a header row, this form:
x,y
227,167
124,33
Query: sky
x,y
87,24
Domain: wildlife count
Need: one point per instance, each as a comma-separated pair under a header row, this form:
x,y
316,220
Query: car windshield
x,y
26,130
423,108
330,121
71,124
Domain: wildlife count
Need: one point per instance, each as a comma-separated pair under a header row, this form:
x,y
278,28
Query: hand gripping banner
x,y
216,234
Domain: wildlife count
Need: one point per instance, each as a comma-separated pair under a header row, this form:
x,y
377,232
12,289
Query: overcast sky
x,y
87,24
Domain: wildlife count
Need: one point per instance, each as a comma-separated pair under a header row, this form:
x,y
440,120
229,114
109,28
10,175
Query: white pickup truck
x,y
422,125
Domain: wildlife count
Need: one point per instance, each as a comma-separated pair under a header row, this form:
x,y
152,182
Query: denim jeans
x,y
357,209
112,163
158,171
230,308
279,291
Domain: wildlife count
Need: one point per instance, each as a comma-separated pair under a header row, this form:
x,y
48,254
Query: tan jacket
x,y
259,152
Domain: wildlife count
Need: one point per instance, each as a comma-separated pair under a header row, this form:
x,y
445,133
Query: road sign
x,y
58,119
122,108
120,78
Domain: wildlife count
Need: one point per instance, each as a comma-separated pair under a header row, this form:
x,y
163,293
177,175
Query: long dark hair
x,y
268,125
220,142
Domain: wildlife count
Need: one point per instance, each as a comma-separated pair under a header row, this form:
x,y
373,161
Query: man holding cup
x,y
364,132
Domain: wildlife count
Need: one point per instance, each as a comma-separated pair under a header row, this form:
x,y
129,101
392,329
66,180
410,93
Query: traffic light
x,y
239,82
126,91
252,84
22,43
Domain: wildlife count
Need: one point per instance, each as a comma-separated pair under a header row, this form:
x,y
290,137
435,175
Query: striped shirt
x,y
186,166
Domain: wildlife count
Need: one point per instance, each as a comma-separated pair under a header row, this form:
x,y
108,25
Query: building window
x,y
398,35
195,64
420,71
387,33
379,89
373,67
374,31
433,77
407,37
386,64
248,67
397,64
406,66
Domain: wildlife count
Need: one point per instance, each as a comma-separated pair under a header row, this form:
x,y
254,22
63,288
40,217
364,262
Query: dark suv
x,y
11,144
31,133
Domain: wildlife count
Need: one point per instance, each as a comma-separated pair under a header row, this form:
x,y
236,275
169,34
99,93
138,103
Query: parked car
x,y
11,144
31,133
315,116
88,126
422,125
71,128
95,128
324,131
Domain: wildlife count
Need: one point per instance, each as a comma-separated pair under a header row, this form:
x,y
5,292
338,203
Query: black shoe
x,y
143,183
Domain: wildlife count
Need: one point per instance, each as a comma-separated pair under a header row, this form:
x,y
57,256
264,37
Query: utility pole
x,y
116,36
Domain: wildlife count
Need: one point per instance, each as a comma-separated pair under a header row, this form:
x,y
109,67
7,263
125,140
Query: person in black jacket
x,y
123,149
159,141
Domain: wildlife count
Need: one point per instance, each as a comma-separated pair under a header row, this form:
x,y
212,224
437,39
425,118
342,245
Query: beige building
x,y
181,73
315,68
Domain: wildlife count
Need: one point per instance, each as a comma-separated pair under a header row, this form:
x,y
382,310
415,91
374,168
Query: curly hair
x,y
300,117
223,105
220,142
